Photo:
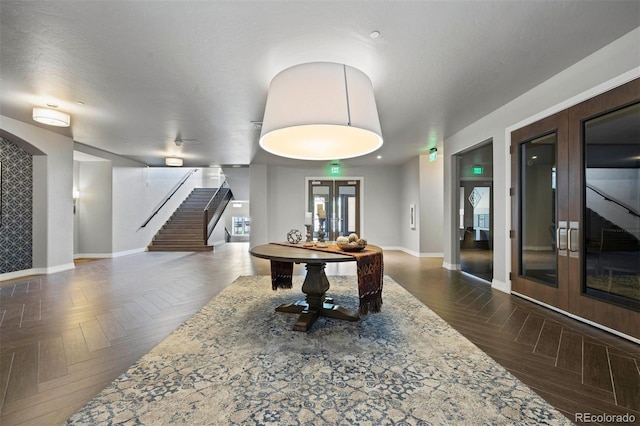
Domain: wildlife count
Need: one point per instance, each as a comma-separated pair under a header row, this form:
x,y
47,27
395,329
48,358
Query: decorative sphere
x,y
294,236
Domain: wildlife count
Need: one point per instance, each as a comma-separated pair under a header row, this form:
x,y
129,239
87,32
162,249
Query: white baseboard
x,y
36,271
412,253
108,255
501,285
451,266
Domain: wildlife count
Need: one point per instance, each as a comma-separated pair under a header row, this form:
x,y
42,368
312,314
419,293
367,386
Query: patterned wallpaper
x,y
16,229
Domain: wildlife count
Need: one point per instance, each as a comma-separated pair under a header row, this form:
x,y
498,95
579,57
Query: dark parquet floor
x,y
65,336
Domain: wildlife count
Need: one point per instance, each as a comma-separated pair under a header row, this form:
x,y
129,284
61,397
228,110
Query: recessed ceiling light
x,y
379,157
374,34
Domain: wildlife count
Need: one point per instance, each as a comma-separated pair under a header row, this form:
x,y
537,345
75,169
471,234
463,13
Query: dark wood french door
x,y
340,200
575,210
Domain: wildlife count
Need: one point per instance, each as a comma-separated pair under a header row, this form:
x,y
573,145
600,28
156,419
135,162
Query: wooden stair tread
x,y
184,230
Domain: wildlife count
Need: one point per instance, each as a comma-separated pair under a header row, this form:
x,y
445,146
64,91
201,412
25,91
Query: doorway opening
x,y
475,206
339,200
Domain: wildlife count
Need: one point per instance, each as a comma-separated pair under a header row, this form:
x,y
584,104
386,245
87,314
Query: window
x,y
241,225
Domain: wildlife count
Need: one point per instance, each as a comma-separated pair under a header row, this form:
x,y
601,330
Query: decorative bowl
x,y
350,247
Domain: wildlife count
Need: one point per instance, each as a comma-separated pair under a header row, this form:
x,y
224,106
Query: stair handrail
x,y
629,209
171,194
206,232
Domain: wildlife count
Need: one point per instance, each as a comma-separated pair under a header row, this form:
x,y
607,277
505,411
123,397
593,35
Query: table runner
x,y
370,266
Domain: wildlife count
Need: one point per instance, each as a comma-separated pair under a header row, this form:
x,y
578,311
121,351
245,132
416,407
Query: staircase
x,y
184,231
618,239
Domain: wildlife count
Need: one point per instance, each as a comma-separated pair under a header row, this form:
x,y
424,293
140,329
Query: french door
x,y
576,210
340,200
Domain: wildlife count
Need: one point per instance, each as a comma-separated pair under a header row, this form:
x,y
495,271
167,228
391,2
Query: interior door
x,y
604,200
347,208
340,200
576,210
321,196
539,154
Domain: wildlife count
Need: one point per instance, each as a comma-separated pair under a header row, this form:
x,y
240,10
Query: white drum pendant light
x,y
320,111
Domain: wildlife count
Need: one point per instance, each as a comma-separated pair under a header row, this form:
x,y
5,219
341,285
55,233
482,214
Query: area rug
x,y
237,362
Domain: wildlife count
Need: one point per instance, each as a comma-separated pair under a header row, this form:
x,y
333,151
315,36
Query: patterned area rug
x,y
237,362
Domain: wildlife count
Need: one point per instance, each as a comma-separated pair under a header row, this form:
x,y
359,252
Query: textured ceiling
x,y
148,72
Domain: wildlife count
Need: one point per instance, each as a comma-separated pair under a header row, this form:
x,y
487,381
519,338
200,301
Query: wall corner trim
x,y
451,266
501,285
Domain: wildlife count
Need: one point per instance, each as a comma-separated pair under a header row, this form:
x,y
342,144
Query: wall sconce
x,y
76,195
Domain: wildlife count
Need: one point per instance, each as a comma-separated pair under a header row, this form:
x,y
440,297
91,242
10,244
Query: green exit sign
x,y
335,170
477,170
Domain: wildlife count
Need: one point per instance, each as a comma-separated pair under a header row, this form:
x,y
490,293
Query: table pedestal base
x,y
316,305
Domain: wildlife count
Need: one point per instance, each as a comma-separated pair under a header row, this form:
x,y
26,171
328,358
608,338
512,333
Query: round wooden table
x,y
315,284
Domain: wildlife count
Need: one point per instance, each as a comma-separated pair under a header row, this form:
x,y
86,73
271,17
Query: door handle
x,y
573,237
561,238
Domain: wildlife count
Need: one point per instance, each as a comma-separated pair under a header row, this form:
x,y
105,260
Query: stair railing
x,y
211,215
630,209
168,197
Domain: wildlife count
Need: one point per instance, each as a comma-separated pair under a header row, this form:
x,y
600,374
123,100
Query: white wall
x,y
278,202
76,218
238,180
53,196
431,210
94,211
137,192
411,195
259,209
609,67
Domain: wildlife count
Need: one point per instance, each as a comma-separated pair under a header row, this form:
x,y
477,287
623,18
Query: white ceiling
x,y
148,72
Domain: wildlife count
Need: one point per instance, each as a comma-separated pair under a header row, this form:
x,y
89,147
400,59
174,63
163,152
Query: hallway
x,y
64,336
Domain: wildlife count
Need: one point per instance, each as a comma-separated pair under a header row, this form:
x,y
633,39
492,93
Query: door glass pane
x,y
321,207
612,204
538,256
475,205
346,210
